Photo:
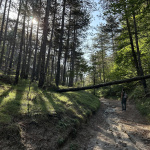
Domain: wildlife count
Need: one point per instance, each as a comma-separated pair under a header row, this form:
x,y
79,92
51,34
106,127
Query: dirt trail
x,y
113,129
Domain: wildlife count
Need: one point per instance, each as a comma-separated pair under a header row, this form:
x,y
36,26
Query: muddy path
x,y
113,129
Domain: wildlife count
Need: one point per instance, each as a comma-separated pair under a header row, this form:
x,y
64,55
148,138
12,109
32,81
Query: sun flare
x,y
34,21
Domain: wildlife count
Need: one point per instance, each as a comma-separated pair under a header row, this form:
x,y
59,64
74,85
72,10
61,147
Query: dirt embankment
x,y
113,129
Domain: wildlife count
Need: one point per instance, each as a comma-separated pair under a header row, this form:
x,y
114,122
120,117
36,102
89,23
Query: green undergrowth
x,y
27,99
135,93
141,100
112,92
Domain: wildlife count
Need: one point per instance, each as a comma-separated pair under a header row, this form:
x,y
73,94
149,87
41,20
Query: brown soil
x,y
109,129
113,129
38,133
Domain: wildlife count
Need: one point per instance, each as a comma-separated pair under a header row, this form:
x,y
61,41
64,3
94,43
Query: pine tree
x,y
14,42
60,44
5,34
43,46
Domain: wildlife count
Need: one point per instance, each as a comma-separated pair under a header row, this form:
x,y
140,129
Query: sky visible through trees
x,y
47,34
57,42
96,19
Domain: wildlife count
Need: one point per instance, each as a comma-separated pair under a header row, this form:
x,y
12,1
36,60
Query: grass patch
x,y
26,98
25,106
4,118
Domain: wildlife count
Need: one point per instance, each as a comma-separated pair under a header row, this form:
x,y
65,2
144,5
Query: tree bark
x,y
38,66
15,34
7,57
106,84
103,66
5,34
51,38
60,44
66,52
35,64
30,51
71,76
21,48
2,25
24,65
35,55
43,46
132,46
37,71
52,67
138,53
1,3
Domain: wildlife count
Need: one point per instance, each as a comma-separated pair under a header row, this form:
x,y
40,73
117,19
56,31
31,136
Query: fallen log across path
x,y
105,84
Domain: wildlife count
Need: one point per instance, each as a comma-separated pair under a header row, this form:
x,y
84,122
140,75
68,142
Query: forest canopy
x,y
122,42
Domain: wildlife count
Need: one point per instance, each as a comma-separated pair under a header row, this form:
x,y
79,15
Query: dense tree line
x,y
122,42
42,42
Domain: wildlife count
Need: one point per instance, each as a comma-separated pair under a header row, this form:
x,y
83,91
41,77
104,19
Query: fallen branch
x,y
105,84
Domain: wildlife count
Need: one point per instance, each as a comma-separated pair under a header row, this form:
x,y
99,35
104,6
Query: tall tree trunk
x,y
66,52
43,46
138,53
7,57
55,61
103,66
37,71
38,66
2,25
5,34
71,76
36,48
77,75
1,3
61,74
30,51
132,46
113,45
60,44
52,66
21,47
35,55
14,42
94,81
50,43
24,65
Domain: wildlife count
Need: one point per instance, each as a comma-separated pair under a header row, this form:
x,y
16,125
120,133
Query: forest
x,y
42,52
42,41
125,37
